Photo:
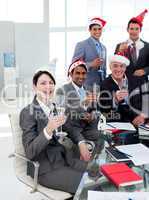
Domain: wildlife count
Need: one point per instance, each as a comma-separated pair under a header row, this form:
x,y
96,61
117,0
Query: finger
x,y
87,157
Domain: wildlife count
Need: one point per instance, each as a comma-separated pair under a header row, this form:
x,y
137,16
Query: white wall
x,y
32,49
30,43
6,44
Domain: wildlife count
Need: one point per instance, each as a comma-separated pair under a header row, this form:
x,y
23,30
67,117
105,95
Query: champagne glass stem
x,y
61,129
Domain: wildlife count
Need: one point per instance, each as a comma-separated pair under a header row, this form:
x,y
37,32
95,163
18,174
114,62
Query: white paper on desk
x,y
95,195
121,125
139,153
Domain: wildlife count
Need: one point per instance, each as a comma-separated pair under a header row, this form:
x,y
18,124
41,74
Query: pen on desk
x,y
111,125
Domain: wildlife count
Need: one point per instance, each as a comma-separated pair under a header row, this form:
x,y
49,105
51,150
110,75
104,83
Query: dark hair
x,y
91,25
79,66
134,21
39,73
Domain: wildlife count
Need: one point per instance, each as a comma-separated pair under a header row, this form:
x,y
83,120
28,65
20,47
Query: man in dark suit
x,y
81,124
137,52
93,52
114,94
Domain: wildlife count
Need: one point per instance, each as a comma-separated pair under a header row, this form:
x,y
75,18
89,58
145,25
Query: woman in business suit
x,y
58,169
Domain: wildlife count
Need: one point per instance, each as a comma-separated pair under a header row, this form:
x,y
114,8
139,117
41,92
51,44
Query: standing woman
x,y
58,169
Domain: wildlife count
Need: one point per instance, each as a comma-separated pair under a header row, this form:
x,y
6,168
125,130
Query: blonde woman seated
x,y
58,169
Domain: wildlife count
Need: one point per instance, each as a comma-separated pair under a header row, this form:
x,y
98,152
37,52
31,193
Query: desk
x,y
104,185
94,195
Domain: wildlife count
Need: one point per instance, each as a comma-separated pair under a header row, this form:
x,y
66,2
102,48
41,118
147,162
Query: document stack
x,y
144,132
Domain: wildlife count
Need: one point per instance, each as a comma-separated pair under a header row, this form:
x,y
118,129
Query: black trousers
x,y
65,178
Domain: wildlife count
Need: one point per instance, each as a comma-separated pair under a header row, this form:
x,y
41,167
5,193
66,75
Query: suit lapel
x,y
39,113
73,91
72,96
141,52
114,85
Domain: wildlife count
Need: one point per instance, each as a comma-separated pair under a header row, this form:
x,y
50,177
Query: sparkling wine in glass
x,y
60,108
102,56
125,88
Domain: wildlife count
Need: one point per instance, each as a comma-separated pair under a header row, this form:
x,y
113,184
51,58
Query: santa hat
x,y
139,18
98,21
119,58
75,64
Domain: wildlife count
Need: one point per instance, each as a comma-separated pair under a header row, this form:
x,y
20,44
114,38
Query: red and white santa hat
x,y
75,64
140,18
98,21
119,58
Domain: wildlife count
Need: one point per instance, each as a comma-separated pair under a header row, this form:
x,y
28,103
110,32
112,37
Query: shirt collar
x,y
139,43
95,41
46,109
76,87
131,42
124,79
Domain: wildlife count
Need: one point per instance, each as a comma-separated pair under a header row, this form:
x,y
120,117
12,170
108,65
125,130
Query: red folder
x,y
115,131
120,174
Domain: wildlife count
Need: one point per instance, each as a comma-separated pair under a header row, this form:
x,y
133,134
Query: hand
x,y
96,63
120,95
88,117
139,72
91,97
84,152
54,123
138,120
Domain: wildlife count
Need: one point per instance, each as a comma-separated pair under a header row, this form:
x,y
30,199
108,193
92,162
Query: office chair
x,y
20,165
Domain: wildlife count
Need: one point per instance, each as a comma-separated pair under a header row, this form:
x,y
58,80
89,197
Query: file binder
x,y
120,174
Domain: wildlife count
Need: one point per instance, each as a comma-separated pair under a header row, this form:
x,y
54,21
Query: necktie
x,y
98,48
101,53
134,53
82,93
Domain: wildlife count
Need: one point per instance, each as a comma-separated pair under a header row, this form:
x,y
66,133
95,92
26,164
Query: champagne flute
x,y
60,108
102,57
125,88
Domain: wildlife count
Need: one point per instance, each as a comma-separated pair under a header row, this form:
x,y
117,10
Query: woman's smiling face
x,y
44,87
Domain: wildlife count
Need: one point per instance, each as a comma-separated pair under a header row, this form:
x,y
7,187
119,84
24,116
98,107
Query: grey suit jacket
x,y
49,153
86,50
75,125
72,99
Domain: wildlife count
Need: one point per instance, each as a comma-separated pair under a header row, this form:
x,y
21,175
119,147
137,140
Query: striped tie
x,y
134,53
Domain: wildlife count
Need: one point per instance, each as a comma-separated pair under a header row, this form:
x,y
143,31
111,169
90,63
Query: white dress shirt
x,y
139,45
77,88
47,110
